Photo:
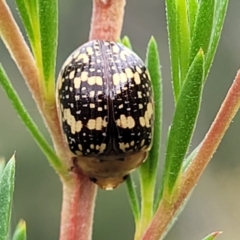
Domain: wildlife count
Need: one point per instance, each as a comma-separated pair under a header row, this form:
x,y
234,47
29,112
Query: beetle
x,y
105,104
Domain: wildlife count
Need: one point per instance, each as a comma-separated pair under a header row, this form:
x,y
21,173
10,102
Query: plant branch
x,y
166,210
24,60
107,19
77,208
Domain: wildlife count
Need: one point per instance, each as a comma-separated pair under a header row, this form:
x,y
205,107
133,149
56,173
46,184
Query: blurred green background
x,y
215,203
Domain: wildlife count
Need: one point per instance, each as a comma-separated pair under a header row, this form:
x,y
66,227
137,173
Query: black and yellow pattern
x,y
105,102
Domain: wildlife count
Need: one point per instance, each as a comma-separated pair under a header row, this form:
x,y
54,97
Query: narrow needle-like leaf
x,y
133,199
126,42
192,6
172,25
27,120
203,28
183,123
48,17
183,39
212,236
20,231
219,16
6,195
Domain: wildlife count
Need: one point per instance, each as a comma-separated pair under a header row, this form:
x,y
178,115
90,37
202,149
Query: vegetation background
x,y
215,203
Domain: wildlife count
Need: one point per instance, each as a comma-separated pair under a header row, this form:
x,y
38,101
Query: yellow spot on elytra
x,y
89,50
150,109
119,77
104,122
70,119
130,122
125,122
139,70
79,126
91,124
91,94
142,121
92,105
115,49
123,146
140,106
137,78
142,142
83,56
139,94
92,80
92,146
99,81
116,79
76,126
78,153
84,76
148,114
99,122
146,117
77,82
72,74
129,72
77,97
102,147
132,143
80,147
123,78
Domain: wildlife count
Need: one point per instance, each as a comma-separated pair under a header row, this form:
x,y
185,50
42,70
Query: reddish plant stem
x,y
107,19
18,49
166,211
77,209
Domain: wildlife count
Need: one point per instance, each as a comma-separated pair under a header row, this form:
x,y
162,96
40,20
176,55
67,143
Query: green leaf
x,y
126,42
40,19
20,231
48,15
6,195
192,6
133,198
25,13
190,158
183,39
172,27
202,28
183,123
212,236
2,165
29,123
149,168
219,16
